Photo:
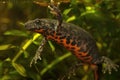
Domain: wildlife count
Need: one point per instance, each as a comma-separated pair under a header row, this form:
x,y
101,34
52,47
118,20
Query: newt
x,y
72,37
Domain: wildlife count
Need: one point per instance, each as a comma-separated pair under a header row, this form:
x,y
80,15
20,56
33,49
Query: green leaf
x,y
26,54
72,18
16,33
51,46
7,46
20,69
66,11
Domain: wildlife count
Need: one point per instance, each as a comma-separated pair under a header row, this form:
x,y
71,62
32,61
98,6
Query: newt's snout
x,y
31,25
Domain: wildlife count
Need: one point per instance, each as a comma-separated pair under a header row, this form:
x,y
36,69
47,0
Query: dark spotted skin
x,y
72,37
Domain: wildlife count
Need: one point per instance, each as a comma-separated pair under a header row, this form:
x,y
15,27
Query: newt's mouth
x,y
32,27
39,30
29,28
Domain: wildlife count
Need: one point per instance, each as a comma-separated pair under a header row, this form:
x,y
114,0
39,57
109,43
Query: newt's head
x,y
40,25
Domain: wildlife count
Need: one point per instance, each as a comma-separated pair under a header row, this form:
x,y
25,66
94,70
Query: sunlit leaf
x,y
20,69
89,10
6,46
36,42
16,33
72,18
66,11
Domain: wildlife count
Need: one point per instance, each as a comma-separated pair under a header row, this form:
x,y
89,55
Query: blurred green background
x,y
101,18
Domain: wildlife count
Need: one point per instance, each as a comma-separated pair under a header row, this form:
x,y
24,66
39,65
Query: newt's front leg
x,y
38,52
56,11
